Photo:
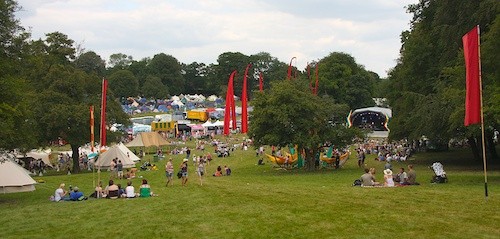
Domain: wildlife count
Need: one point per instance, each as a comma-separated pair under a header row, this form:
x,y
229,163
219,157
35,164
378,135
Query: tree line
x,y
47,85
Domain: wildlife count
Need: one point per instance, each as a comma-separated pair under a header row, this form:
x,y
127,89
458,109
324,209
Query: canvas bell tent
x,y
14,178
104,160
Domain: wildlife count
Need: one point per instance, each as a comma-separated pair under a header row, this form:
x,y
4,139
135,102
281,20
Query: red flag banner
x,y
473,83
233,108
261,79
92,128
103,112
317,79
289,73
229,103
244,104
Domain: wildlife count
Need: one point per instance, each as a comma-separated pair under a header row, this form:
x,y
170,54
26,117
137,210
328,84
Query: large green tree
x,y
289,114
18,126
195,77
124,84
64,93
427,87
346,81
154,88
168,69
91,63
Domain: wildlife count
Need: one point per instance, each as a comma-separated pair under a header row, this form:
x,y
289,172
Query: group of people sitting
x,y
114,191
219,172
74,194
111,191
402,178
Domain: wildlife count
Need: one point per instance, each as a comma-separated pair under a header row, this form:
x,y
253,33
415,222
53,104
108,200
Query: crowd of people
x,y
396,151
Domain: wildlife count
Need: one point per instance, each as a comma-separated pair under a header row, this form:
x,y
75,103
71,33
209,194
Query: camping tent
x,y
14,178
104,160
147,139
129,153
38,154
218,123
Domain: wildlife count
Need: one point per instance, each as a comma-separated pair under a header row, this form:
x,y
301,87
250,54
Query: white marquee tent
x,y
14,178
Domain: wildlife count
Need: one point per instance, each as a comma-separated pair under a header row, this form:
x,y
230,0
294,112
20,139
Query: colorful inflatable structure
x,y
330,158
289,158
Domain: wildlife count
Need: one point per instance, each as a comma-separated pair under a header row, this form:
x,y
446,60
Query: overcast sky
x,y
200,30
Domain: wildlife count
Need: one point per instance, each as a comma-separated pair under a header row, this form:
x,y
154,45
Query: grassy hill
x,y
267,202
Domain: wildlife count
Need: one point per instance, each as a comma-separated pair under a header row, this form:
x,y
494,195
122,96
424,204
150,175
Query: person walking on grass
x,y
119,169
201,170
184,172
169,171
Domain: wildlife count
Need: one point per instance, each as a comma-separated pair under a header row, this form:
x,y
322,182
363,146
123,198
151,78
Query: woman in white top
x,y
388,180
130,191
60,193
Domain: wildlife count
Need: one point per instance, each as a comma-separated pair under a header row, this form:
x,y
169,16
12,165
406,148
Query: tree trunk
x,y
474,147
76,158
310,160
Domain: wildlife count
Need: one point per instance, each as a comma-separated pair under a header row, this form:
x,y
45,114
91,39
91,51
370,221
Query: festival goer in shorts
x,y
201,170
184,172
169,171
119,169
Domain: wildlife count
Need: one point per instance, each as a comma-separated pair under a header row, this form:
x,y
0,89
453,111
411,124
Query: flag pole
x,y
482,115
92,139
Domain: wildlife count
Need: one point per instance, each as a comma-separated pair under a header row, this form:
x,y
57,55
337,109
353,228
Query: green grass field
x,y
265,202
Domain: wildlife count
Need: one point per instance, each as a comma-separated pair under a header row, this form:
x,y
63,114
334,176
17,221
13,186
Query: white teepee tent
x,y
14,178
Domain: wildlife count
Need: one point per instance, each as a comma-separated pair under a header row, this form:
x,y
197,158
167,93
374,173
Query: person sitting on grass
x,y
388,179
367,179
218,172
111,191
154,167
412,176
228,170
145,189
129,191
121,190
401,177
99,192
60,193
131,173
76,195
